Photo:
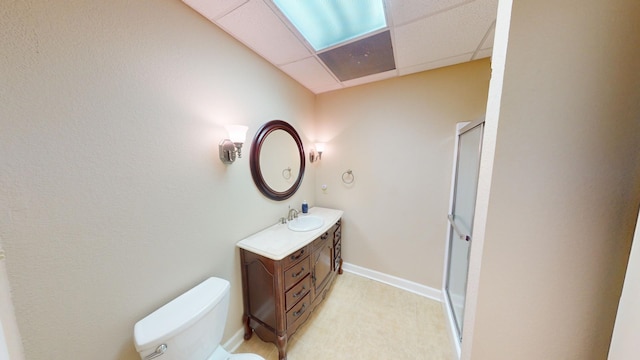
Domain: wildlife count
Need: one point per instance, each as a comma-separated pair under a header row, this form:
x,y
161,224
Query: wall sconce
x,y
316,155
231,147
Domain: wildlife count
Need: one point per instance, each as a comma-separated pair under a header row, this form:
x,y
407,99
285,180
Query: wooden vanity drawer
x,y
299,313
296,273
320,241
297,292
295,257
337,234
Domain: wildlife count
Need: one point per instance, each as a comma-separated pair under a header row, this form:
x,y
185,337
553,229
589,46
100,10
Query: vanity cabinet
x,y
280,294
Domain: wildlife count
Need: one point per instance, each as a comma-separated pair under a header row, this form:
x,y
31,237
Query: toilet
x,y
190,327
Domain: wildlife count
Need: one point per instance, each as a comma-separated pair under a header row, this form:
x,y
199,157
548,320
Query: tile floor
x,y
365,319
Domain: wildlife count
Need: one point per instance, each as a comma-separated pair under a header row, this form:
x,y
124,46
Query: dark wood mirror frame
x,y
254,160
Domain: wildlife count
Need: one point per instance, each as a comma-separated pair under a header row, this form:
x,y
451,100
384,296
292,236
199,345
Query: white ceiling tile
x,y
404,11
372,78
435,64
485,49
488,39
484,53
213,9
320,89
255,25
311,74
447,34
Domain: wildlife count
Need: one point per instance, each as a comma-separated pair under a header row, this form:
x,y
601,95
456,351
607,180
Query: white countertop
x,y
277,241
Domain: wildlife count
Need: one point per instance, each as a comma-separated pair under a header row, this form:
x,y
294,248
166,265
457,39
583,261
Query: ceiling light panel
x,y
325,23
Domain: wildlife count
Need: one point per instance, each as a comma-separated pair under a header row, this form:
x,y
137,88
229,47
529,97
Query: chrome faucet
x,y
293,213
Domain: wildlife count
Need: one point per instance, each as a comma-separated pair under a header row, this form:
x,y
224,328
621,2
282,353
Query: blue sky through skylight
x,y
325,23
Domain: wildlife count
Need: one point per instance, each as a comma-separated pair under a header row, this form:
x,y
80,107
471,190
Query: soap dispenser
x,y
305,207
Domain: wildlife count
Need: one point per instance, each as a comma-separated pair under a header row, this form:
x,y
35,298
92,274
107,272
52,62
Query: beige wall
x,y
112,197
397,136
564,193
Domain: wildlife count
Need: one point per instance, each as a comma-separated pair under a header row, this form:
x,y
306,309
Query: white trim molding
x,y
235,341
400,283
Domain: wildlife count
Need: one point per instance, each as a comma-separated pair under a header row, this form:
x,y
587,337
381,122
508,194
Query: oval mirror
x,y
277,160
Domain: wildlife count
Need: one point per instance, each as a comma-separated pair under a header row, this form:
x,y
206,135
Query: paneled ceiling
x,y
425,34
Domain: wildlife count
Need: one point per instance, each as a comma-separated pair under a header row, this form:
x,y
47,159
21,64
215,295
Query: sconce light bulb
x,y
237,133
316,154
230,148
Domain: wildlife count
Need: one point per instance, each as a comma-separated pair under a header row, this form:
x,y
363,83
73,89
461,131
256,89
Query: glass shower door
x,y
461,217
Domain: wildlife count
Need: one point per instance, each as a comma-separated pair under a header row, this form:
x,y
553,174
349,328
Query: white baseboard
x,y
400,283
235,341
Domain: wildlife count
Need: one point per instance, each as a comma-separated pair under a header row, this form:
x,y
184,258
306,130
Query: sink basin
x,y
305,223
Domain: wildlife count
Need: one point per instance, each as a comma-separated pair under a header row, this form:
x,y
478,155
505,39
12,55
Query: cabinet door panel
x,y
261,293
323,266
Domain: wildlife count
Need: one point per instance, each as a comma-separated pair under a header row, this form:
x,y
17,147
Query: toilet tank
x,y
191,325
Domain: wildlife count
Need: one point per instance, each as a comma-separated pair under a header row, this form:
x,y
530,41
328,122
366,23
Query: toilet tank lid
x,y
180,313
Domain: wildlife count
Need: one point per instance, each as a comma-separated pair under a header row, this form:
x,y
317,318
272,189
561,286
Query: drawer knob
x,y
298,274
296,257
299,292
301,311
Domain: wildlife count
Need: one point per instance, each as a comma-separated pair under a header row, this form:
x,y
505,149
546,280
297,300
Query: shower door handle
x,y
461,235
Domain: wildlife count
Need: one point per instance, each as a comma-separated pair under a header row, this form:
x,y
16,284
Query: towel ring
x,y
284,173
346,175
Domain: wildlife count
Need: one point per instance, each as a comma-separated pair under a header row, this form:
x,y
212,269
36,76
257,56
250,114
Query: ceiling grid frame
x,y
284,45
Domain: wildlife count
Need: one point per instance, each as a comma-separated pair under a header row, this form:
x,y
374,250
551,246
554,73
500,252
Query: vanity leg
x,y
281,344
340,268
248,331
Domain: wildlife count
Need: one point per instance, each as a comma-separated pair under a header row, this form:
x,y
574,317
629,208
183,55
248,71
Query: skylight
x,y
325,23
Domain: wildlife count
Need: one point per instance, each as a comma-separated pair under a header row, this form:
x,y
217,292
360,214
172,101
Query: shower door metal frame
x,y
453,233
